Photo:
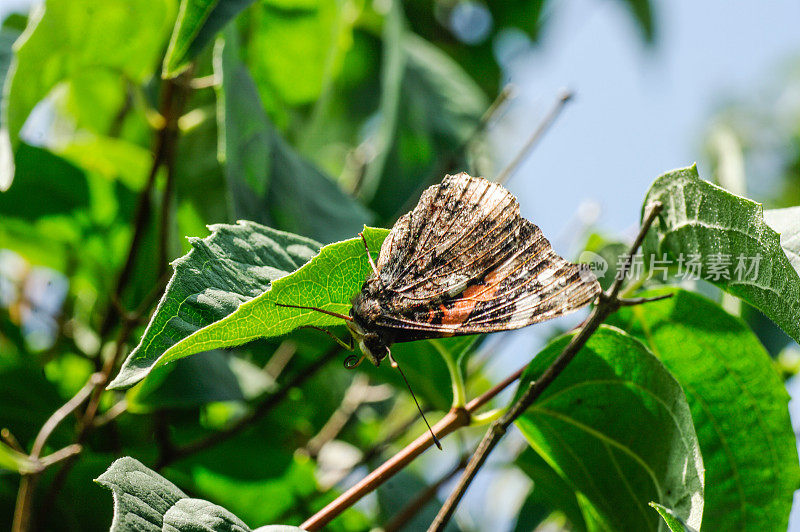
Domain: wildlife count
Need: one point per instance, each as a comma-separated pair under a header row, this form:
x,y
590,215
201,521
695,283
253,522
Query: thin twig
x,y
61,414
260,411
453,420
608,303
535,137
172,102
450,158
11,440
61,454
111,414
401,518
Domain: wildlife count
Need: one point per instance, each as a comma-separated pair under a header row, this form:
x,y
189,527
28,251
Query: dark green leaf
x,y
198,22
615,413
297,46
188,383
739,406
440,108
549,493
703,220
50,185
424,365
642,11
269,181
602,255
223,292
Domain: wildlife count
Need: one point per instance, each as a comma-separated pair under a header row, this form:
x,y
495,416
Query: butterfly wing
x,y
464,261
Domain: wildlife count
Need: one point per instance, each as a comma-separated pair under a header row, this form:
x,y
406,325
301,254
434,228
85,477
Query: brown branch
x,y
173,98
453,420
608,303
179,452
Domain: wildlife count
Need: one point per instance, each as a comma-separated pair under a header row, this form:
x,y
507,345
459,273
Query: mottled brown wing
x,y
464,261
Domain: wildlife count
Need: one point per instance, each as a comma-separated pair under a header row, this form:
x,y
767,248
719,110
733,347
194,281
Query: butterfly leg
x,y
344,345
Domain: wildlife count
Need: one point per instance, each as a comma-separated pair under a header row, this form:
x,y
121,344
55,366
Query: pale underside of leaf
x,y
702,219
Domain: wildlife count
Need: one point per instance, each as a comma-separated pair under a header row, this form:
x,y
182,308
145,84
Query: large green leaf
x,y
439,108
223,293
51,186
269,181
198,21
188,383
141,496
549,493
67,37
616,414
297,46
739,406
701,220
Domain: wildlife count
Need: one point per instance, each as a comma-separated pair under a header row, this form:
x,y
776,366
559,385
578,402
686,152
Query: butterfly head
x,y
370,343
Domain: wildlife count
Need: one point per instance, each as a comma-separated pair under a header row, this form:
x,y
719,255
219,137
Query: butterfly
x,y
463,261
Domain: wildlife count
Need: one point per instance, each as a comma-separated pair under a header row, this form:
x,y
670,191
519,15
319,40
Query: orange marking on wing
x,y
473,295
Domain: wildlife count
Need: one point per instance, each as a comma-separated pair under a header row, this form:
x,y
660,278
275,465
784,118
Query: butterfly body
x,y
463,262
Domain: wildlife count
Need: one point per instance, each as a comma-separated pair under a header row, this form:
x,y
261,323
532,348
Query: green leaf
x,y
549,493
198,22
197,515
51,186
675,523
787,223
188,383
223,293
144,500
439,109
392,72
615,413
705,221
297,46
141,496
269,181
66,37
739,406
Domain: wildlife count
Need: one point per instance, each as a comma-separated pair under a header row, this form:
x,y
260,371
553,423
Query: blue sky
x,y
638,112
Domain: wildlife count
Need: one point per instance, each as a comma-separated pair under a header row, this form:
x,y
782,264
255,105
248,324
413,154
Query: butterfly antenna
x,y
369,257
328,312
397,366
